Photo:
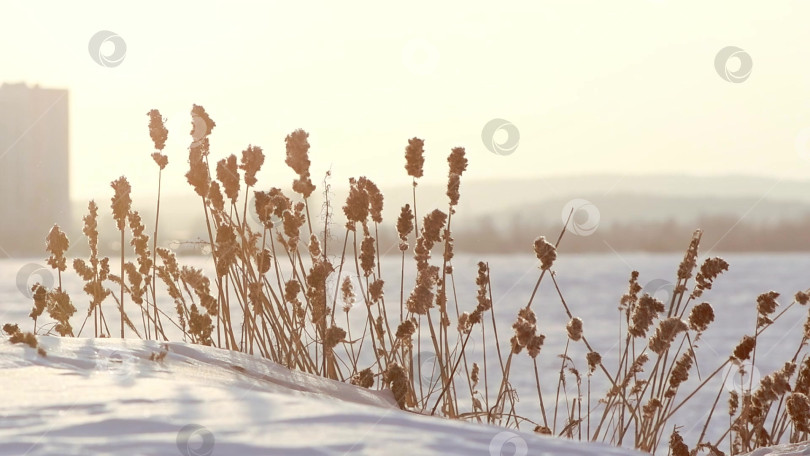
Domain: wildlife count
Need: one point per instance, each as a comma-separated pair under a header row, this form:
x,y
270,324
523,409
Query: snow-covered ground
x,y
106,396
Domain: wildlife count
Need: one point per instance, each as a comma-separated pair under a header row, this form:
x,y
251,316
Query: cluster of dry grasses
x,y
277,294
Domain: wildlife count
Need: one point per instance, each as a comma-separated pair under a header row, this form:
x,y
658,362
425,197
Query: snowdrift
x,y
132,397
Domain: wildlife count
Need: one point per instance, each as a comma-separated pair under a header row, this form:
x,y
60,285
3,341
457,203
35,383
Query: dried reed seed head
x,y
264,260
60,309
39,295
121,201
334,335
798,407
733,402
448,251
56,243
701,316
314,246
292,222
630,299
280,202
347,293
160,159
545,251
298,159
474,374
367,255
157,130
357,203
363,379
406,330
464,324
264,205
525,328
197,175
594,360
404,226
709,270
643,315
665,333
375,290
226,250
574,329
802,297
198,112
396,378
676,445
415,157
215,198
458,164
457,161
482,280
228,175
744,348
453,190
291,290
651,406
542,430
421,298
251,163
803,378
680,373
766,303
375,200
689,262
432,227
535,344
90,228
782,378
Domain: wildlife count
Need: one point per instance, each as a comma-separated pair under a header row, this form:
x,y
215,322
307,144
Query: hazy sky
x,y
626,87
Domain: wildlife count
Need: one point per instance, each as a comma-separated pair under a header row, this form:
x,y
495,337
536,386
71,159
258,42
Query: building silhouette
x,y
34,172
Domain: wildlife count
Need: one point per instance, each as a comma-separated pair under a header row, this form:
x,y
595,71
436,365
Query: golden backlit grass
x,y
278,294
